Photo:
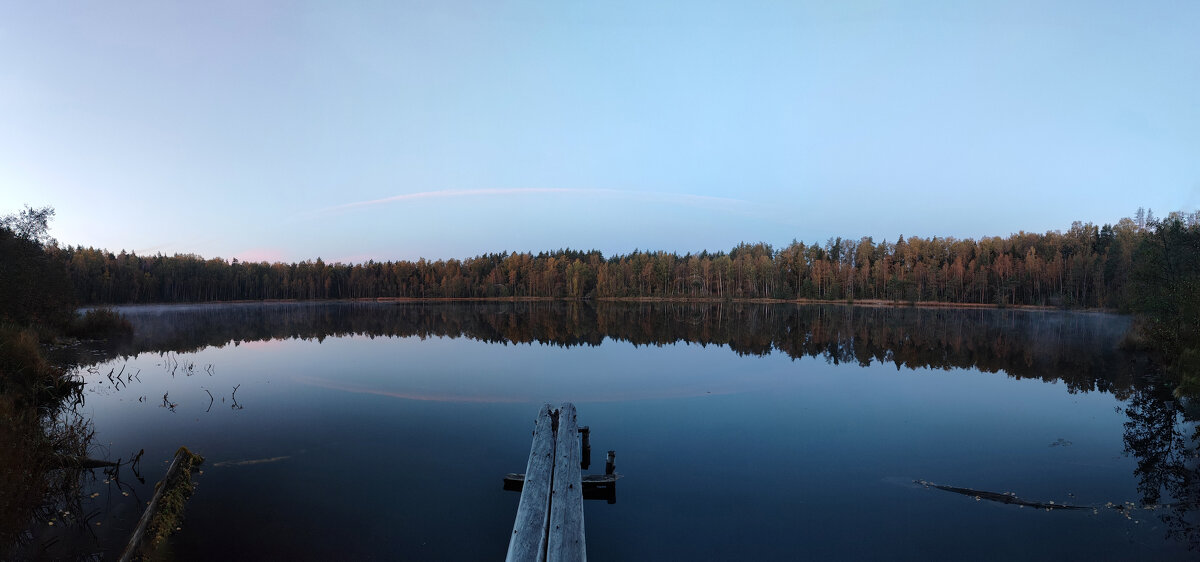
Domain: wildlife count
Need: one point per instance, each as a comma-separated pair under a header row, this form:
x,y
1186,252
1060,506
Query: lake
x,y
742,431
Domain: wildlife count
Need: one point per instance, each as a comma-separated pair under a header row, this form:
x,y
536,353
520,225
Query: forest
x,y
1086,266
1140,265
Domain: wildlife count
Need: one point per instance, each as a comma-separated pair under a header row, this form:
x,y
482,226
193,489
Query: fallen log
x,y
1002,497
165,508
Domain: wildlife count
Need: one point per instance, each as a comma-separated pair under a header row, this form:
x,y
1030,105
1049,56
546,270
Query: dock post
x,y
585,433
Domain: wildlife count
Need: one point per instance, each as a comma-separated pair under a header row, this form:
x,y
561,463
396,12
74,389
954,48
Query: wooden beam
x,y
514,482
595,486
528,540
566,542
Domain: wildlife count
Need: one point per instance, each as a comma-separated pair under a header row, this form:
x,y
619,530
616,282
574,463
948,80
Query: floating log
x,y
566,541
164,508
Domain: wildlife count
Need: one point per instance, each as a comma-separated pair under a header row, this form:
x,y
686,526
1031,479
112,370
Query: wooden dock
x,y
549,522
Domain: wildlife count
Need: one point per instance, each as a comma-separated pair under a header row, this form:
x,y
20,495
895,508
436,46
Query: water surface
x,y
382,431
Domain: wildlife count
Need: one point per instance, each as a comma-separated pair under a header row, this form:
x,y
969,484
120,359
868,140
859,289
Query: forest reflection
x,y
1080,350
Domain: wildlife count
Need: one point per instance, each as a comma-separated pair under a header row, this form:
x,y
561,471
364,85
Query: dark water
x,y
382,431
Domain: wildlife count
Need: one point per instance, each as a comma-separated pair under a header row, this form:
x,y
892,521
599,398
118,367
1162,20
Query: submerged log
x,y
165,507
1001,497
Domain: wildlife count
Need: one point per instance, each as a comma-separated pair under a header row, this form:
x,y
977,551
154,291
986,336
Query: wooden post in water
x,y
585,433
566,507
528,540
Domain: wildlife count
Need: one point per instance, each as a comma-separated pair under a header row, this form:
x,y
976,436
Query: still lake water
x,y
383,431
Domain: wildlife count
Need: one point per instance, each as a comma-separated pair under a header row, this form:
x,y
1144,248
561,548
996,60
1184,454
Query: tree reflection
x,y
1080,350
1162,434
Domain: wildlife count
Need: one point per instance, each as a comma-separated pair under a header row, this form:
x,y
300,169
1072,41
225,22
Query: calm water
x,y
382,431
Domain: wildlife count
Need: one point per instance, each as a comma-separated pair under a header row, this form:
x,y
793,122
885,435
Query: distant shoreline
x,y
877,303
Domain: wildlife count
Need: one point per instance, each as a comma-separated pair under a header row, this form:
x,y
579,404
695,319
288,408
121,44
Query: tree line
x,y
1086,266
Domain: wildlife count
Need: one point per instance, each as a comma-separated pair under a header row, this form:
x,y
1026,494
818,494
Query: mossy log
x,y
165,509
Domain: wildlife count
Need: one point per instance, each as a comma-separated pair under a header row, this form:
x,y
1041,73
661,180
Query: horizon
x,y
279,132
606,255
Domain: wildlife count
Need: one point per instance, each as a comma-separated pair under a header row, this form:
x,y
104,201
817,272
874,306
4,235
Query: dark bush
x,y
100,323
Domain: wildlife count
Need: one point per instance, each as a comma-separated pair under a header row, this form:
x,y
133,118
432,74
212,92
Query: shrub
x,y
100,323
24,372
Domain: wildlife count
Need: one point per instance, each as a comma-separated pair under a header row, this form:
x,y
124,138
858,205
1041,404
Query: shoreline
x,y
874,303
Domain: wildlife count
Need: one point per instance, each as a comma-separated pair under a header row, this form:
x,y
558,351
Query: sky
x,y
396,130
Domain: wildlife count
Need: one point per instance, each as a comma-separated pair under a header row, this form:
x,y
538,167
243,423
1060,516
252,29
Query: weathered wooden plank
x,y
528,540
566,542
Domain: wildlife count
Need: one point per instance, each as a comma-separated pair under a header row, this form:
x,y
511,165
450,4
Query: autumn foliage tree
x,y
1085,266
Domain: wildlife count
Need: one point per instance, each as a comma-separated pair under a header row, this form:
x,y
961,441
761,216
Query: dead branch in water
x,y
1011,498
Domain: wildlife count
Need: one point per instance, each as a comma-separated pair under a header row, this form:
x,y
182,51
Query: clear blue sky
x,y
280,130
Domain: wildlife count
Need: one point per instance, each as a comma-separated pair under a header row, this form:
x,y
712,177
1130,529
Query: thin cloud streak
x,y
680,198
